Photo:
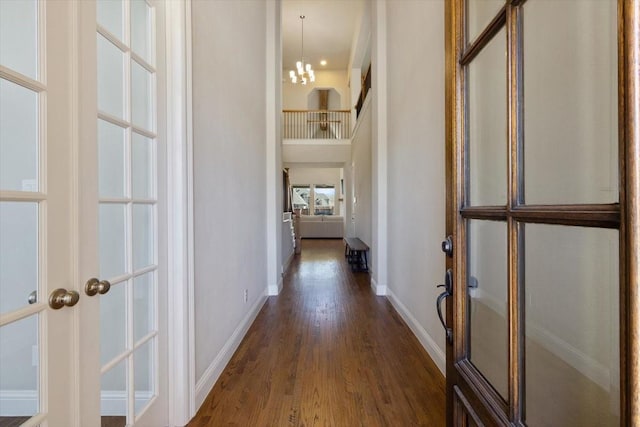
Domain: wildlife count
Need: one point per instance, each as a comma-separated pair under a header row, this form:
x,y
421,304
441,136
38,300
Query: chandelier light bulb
x,y
305,72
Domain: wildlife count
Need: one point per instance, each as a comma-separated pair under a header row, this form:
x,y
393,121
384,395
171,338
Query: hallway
x,y
328,352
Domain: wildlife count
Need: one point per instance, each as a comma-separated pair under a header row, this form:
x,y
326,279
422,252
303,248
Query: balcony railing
x,y
316,124
366,85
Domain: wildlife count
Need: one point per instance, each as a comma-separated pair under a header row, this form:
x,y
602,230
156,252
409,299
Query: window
x,y
322,195
300,198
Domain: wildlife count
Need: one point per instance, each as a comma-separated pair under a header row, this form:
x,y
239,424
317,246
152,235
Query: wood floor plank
x,y
327,352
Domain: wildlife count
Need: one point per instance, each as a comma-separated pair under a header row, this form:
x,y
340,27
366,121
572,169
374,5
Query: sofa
x,y
321,226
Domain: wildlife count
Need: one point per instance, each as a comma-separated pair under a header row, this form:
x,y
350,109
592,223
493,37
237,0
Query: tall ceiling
x,y
329,26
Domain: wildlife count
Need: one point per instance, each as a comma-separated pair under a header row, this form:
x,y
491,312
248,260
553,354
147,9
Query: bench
x,y
355,250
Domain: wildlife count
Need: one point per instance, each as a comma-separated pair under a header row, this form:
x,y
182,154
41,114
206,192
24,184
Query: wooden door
x,y
36,245
124,341
543,151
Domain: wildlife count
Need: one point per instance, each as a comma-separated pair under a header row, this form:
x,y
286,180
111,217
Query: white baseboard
x,y
429,344
18,403
23,403
114,403
380,290
213,372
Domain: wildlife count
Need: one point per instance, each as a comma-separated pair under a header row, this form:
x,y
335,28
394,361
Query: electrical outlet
x,y
246,295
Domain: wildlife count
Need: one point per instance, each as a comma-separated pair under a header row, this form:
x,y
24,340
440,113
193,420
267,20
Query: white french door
x,y
82,198
129,208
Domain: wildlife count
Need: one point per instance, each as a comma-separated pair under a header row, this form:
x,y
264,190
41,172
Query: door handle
x,y
448,291
33,297
95,286
61,297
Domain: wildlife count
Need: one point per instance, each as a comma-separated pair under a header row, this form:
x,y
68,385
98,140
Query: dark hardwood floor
x,y
327,352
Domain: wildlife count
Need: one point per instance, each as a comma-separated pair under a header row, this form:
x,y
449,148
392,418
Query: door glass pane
x,y
487,124
480,14
143,366
143,236
20,369
141,30
111,160
113,322
18,254
141,97
142,161
112,237
114,391
19,36
488,301
572,341
111,16
110,78
143,306
570,101
18,137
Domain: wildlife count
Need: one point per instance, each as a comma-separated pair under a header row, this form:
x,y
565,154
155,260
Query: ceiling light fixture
x,y
305,73
323,62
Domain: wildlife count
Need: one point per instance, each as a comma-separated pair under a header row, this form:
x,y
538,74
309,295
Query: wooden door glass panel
x,y
487,124
19,24
113,323
129,218
111,78
143,306
141,30
143,236
144,368
113,240
19,142
141,97
570,101
20,385
480,14
110,16
142,166
572,333
487,287
112,160
114,386
19,255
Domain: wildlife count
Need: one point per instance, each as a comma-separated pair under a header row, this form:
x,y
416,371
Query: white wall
x,y
361,208
301,97
229,131
416,186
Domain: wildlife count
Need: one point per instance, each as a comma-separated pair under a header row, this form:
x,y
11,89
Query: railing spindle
x,y
316,124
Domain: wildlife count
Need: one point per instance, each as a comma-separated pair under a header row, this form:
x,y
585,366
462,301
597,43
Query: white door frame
x,y
180,215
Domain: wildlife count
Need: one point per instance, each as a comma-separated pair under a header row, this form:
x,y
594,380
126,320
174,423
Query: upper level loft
x,y
316,124
325,123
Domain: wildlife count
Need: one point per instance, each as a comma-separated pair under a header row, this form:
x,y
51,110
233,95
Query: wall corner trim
x,y
425,339
212,373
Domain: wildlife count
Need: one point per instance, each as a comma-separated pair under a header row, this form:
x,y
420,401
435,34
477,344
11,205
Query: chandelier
x,y
305,73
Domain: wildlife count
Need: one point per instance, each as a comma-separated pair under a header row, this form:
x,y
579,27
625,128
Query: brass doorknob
x,y
95,286
61,297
